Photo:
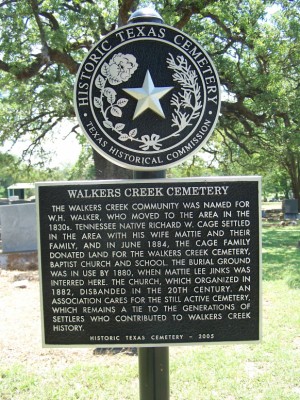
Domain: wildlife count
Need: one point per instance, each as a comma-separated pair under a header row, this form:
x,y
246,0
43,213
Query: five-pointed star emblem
x,y
148,96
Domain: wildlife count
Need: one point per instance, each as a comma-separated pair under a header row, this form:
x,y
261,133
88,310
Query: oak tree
x,y
253,43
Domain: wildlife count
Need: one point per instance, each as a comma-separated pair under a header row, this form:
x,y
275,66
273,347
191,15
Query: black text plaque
x,y
150,263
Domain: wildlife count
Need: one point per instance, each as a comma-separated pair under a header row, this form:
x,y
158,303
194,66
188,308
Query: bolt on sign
x,y
147,96
150,262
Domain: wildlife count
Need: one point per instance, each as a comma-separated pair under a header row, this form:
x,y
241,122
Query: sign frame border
x,y
165,180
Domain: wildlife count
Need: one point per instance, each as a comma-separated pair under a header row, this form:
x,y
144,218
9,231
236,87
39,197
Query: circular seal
x,y
147,96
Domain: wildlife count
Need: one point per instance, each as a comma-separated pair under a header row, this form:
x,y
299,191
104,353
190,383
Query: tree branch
x,y
65,59
224,50
75,7
234,139
34,68
4,66
125,7
187,9
85,44
35,10
219,22
31,70
232,37
285,117
53,21
238,108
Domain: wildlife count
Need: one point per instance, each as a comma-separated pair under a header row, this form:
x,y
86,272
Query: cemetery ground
x,y
266,371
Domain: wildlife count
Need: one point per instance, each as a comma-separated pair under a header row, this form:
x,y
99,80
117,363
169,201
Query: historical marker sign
x,y
147,96
147,263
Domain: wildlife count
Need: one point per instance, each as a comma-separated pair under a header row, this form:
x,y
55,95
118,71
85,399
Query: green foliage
x,y
84,167
14,171
196,166
256,52
7,165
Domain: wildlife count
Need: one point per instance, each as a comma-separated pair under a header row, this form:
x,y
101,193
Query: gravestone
x,y
290,208
18,228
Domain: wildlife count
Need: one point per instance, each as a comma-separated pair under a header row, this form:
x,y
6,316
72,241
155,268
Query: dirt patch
x,y
20,329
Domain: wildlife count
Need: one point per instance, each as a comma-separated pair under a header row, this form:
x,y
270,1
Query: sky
x,y
62,145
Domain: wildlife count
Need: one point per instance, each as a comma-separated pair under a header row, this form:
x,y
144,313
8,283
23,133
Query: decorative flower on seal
x,y
186,102
152,141
120,68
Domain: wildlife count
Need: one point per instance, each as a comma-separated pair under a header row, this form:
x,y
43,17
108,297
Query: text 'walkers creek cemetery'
x,y
150,262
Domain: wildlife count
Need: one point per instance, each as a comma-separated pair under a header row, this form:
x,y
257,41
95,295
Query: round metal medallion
x,y
147,96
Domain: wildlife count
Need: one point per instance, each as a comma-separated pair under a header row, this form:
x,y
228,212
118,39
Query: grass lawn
x,y
281,254
266,371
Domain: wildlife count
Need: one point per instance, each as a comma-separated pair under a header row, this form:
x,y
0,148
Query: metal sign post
x,y
153,361
154,373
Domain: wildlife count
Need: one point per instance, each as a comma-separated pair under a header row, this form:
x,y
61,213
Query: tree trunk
x,y
296,191
104,169
292,165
